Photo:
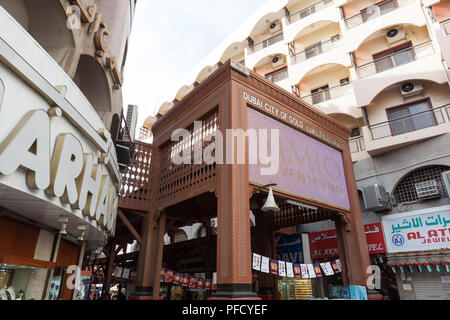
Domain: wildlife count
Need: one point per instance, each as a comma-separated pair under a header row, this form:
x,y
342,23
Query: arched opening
x,y
91,78
180,236
315,39
45,21
407,106
391,47
273,67
235,51
206,72
267,31
325,82
421,184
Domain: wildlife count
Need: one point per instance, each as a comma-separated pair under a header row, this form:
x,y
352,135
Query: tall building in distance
x,y
61,76
382,68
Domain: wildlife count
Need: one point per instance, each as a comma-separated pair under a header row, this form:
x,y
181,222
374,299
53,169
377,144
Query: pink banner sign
x,y
307,167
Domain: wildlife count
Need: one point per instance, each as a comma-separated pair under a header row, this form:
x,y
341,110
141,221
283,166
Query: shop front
x,y
418,246
58,173
323,247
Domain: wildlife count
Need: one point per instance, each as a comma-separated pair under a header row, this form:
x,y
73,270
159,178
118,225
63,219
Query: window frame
x,y
401,46
403,105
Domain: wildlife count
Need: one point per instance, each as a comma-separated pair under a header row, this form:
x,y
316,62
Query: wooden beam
x,y
129,226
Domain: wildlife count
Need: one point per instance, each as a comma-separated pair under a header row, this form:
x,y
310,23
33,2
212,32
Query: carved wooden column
x,y
350,231
159,255
234,274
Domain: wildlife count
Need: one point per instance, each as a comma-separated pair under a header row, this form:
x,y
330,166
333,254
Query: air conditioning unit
x,y
427,189
411,88
395,34
446,178
275,26
278,61
376,199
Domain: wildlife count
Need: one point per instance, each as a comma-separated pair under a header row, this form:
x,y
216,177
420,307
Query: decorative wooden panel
x,y
137,179
17,238
291,215
185,180
67,254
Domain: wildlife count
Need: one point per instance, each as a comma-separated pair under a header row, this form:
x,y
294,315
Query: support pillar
x,y
159,255
265,240
109,271
146,266
234,274
350,231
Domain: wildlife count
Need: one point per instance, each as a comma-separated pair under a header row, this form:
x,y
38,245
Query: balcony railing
x,y
278,76
266,43
357,144
395,59
316,50
414,122
375,11
316,7
328,94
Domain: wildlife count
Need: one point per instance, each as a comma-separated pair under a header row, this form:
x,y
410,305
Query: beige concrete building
x,y
61,76
380,67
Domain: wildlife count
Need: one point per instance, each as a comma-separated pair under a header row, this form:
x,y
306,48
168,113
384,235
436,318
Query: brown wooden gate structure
x,y
164,195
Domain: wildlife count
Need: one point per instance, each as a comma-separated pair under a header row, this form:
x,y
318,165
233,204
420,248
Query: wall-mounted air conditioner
x,y
275,26
395,34
411,89
278,61
446,178
376,199
427,189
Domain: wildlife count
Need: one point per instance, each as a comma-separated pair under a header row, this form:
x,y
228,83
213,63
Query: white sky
x,y
169,38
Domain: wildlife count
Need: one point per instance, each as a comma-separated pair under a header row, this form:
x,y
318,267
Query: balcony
x,y
278,76
395,59
357,144
410,123
374,12
264,44
328,94
402,131
316,7
316,50
442,33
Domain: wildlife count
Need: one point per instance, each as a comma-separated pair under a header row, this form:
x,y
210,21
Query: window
x,y
378,9
320,94
405,191
355,132
394,57
413,116
313,50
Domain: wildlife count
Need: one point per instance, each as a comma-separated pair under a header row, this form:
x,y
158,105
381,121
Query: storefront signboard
x,y
324,244
421,230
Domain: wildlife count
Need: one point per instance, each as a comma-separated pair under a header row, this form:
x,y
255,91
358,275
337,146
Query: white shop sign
x,y
427,229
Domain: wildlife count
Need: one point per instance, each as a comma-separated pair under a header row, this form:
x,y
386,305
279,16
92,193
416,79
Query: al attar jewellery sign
x,y
421,230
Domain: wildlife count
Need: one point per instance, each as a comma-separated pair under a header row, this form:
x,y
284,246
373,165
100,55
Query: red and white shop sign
x,y
324,244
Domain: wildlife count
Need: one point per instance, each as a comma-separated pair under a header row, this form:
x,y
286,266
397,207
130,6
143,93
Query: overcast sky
x,y
169,38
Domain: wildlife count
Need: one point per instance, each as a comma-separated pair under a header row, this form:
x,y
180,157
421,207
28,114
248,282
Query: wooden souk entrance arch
x,y
228,99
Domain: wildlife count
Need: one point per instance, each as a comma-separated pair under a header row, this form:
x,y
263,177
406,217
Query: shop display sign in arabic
x,y
417,232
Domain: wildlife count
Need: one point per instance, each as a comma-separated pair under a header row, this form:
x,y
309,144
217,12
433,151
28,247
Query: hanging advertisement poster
x,y
281,268
421,230
324,244
200,282
297,271
256,262
274,266
192,283
317,270
265,265
176,277
311,271
208,284
289,270
327,268
290,248
304,269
